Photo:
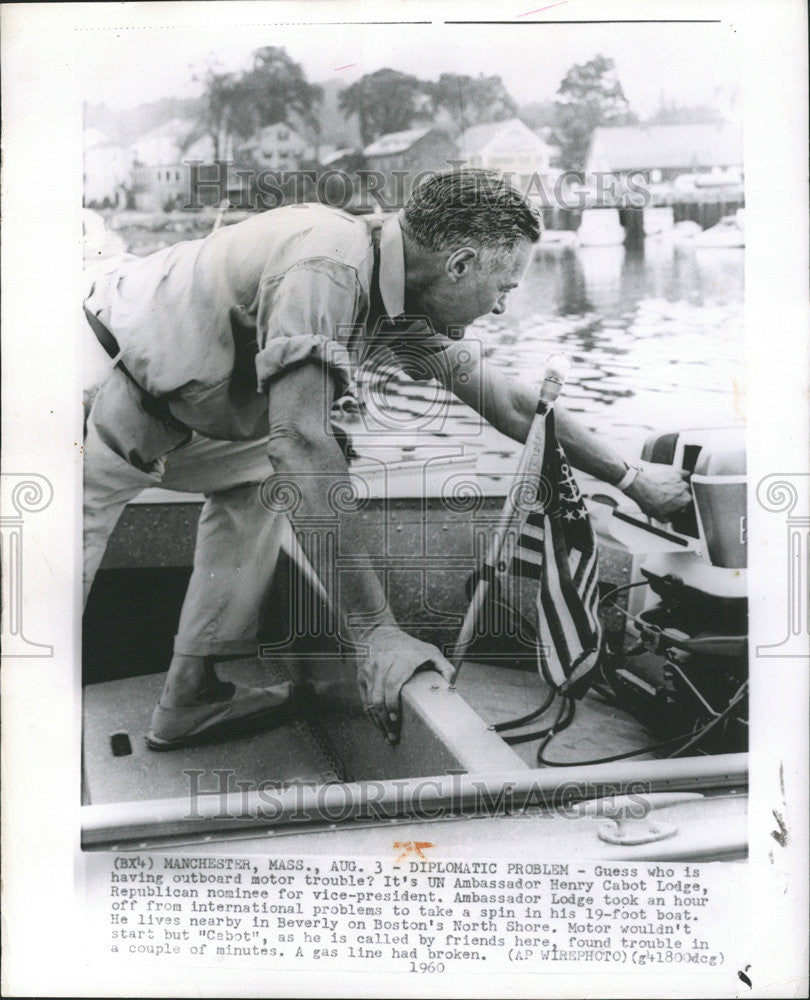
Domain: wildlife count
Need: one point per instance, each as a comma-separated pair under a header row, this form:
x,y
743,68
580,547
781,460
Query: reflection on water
x,y
655,336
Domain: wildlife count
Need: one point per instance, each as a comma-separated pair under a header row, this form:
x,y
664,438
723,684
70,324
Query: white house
x,y
278,147
508,147
107,169
160,176
162,145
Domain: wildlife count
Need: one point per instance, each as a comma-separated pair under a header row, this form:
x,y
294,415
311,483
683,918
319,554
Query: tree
x,y
590,95
385,101
217,108
273,90
472,100
538,114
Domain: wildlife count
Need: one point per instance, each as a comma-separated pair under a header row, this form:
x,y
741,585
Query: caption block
x,y
411,915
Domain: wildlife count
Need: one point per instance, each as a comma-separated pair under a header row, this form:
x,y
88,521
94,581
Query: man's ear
x,y
459,262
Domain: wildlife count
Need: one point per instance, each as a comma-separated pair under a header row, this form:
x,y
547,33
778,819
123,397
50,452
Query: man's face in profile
x,y
472,284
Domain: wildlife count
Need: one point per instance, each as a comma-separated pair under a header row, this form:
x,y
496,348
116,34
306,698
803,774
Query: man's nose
x,y
500,306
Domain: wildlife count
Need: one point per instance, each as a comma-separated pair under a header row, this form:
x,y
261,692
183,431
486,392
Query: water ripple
x,y
656,342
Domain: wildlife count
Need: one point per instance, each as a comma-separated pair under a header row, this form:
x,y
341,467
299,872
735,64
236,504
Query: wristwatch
x,y
628,478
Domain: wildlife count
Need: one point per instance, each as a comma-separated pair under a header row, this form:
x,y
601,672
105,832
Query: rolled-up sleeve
x,y
306,315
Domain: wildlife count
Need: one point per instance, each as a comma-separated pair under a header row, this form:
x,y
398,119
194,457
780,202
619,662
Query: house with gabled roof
x,y
510,147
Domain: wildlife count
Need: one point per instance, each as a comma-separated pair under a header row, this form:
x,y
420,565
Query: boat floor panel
x,y
286,753
598,729
297,751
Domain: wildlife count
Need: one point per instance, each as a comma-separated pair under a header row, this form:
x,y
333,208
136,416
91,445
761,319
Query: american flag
x,y
553,573
541,562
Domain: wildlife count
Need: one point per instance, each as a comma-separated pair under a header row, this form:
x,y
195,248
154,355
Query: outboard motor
x,y
681,665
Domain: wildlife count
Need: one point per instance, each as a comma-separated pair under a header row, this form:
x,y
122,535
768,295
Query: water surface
x,y
655,337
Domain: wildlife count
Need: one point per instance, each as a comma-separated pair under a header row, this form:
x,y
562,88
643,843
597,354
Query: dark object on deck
x,y
120,745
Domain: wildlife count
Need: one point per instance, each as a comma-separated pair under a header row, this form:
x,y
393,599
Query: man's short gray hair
x,y
470,207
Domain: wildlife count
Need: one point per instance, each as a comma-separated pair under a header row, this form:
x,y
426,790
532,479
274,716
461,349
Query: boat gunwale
x,y
306,807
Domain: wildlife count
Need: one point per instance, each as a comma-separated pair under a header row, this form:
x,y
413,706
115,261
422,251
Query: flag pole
x,y
515,509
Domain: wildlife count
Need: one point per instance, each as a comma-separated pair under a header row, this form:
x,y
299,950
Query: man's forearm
x,y
509,405
586,451
659,491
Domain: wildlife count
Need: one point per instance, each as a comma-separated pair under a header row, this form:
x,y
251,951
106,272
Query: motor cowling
x,y
684,655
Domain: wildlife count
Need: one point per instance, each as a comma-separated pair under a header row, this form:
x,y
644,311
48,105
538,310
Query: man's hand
x,y
660,490
387,658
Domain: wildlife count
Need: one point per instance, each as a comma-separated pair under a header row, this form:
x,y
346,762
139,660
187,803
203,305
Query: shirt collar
x,y
392,267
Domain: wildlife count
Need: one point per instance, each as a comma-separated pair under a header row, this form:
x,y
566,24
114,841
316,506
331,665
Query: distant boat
x,y
600,227
731,177
685,232
729,232
553,240
658,221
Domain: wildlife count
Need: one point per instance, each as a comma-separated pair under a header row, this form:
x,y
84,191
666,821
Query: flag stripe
x,y
532,570
553,603
530,542
532,530
529,556
569,592
582,568
590,598
590,576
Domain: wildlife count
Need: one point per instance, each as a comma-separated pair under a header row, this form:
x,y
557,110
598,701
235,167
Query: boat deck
x,y
118,766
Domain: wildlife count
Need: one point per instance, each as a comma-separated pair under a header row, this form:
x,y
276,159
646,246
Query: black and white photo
x,y
421,598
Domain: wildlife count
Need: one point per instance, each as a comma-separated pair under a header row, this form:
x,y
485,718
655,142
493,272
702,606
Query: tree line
x,y
236,106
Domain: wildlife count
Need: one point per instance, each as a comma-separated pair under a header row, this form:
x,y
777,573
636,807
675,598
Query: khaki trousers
x,y
238,540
